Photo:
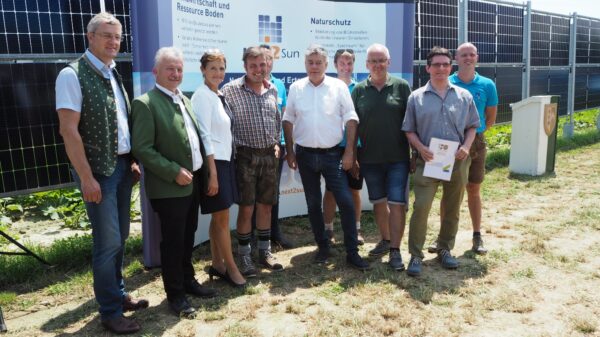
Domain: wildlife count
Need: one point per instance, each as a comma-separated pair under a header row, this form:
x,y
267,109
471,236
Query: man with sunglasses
x,y
442,110
380,103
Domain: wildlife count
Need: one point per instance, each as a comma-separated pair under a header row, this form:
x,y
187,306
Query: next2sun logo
x,y
270,31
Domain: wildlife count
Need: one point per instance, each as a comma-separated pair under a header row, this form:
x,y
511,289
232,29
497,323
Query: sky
x,y
589,8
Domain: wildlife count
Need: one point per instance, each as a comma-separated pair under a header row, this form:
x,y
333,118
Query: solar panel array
x,y
436,23
497,31
549,40
32,155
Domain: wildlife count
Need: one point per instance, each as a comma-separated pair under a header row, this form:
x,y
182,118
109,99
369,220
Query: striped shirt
x,y
257,120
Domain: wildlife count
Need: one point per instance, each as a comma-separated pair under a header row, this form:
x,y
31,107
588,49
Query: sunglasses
x,y
341,51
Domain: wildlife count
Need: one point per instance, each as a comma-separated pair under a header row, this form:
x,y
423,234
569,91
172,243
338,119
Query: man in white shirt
x,y
318,109
93,110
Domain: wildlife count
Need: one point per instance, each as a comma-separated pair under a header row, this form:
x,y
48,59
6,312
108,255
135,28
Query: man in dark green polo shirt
x,y
380,103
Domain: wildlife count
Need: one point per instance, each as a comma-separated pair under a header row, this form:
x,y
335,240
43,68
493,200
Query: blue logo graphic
x,y
269,32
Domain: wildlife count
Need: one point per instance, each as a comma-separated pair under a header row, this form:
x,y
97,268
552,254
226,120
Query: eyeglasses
x,y
378,61
342,51
440,65
110,37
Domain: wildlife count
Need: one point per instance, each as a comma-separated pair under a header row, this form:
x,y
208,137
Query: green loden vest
x,y
98,122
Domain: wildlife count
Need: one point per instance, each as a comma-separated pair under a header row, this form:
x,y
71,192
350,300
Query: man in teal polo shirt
x,y
485,97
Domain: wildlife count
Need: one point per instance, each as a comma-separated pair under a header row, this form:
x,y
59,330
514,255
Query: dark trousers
x,y
313,165
178,224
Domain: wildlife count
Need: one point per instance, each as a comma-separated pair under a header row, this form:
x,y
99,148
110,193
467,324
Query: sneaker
x,y
322,255
246,266
381,248
268,260
478,245
361,240
433,247
447,260
357,262
329,236
396,260
414,266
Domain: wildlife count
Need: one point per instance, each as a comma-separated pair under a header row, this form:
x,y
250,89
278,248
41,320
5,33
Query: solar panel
x,y
32,155
31,150
438,22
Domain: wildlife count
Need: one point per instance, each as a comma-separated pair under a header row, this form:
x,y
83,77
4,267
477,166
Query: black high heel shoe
x,y
213,272
232,283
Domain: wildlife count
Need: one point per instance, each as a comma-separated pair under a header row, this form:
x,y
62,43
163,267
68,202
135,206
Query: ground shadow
x,y
302,273
526,178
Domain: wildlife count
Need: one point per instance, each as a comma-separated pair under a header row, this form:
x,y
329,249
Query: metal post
x,y
463,21
526,51
3,327
26,251
569,127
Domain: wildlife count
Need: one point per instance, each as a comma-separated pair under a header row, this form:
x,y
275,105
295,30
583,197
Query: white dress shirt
x,y
69,96
189,126
215,123
319,113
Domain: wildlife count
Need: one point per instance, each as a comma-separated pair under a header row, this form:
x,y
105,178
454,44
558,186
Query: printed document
x,y
440,167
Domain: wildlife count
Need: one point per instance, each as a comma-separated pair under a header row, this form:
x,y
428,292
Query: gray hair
x,y
316,49
100,18
379,47
167,53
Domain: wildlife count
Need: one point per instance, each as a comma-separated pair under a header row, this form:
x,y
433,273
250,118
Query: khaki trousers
x,y
425,189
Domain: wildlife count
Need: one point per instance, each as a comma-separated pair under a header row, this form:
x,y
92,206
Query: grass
x,y
541,272
499,136
73,253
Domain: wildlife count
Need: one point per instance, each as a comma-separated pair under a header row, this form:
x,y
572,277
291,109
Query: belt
x,y
318,149
266,150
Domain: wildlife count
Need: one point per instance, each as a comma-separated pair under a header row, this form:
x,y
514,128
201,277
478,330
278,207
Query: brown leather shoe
x,y
132,304
121,325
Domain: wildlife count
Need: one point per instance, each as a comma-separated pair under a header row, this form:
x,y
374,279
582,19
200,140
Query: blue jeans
x,y
313,165
110,229
386,181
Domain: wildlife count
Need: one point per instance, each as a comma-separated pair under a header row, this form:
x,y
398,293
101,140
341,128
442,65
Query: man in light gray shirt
x,y
441,110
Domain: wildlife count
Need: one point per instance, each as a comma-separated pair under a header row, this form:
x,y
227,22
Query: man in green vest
x,y
93,110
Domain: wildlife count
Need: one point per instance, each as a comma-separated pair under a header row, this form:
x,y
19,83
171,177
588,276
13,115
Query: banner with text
x,y
289,27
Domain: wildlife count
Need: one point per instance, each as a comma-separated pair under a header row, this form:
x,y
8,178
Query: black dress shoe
x,y
354,260
213,272
322,255
194,288
232,283
282,242
182,308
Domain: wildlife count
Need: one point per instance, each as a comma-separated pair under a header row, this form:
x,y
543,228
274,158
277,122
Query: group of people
x,y
226,146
